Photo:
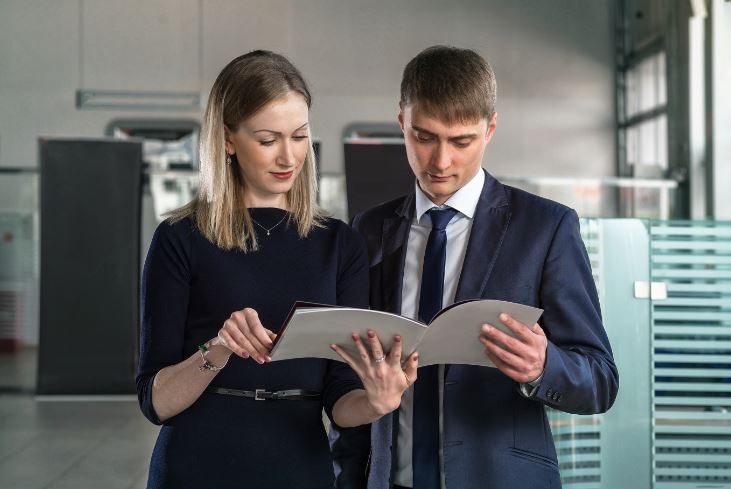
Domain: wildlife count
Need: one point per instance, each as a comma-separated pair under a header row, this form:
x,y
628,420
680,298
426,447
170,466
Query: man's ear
x,y
401,117
491,125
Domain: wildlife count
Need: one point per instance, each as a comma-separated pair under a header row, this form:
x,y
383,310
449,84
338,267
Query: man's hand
x,y
522,358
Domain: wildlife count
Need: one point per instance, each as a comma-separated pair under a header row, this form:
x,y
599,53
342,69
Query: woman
x,y
221,275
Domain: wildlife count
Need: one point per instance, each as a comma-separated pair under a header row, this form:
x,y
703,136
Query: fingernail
x,y
416,357
397,338
503,317
486,328
269,359
244,355
260,360
371,333
332,347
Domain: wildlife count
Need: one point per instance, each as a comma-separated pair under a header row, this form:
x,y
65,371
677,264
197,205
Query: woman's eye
x,y
268,142
299,138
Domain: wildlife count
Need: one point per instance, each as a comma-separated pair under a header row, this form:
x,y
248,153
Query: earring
x,y
228,159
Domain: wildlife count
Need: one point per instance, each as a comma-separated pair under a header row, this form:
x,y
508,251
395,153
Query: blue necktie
x,y
425,443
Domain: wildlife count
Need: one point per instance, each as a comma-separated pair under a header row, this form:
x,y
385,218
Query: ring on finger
x,y
380,359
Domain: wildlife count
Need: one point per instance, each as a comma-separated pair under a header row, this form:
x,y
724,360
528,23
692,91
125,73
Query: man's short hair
x,y
451,84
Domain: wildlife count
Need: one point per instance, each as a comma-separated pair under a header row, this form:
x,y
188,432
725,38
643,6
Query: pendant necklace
x,y
269,229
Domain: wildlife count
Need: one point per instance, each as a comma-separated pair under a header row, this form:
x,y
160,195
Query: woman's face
x,y
271,147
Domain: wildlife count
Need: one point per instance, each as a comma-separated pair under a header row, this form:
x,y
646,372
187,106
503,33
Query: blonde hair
x,y
244,87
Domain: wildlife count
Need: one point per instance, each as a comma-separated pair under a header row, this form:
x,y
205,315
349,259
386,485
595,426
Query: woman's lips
x,y
283,175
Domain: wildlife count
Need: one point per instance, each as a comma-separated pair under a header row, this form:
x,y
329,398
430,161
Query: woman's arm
x,y
177,387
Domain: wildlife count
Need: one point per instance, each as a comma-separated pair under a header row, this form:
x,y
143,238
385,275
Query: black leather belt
x,y
264,395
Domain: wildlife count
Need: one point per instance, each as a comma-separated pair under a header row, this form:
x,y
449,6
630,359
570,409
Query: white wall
x,y
553,60
721,32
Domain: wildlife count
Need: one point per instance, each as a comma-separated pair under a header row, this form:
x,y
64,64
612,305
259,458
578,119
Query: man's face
x,y
443,157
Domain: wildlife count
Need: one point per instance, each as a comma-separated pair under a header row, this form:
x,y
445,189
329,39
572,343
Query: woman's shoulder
x,y
347,237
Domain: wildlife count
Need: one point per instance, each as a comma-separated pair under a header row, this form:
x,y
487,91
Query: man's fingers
x,y
500,338
538,330
272,335
506,356
521,330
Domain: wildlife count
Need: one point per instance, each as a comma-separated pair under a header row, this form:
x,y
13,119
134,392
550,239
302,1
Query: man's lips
x,y
438,178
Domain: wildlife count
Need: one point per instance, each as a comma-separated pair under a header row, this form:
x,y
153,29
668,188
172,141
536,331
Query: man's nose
x,y
441,158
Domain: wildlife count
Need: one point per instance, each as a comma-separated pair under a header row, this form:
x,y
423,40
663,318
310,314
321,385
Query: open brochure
x,y
452,337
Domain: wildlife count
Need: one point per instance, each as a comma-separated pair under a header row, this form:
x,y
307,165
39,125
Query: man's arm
x,y
578,374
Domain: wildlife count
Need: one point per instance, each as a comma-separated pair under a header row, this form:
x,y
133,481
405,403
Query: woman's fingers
x,y
375,344
354,364
232,344
397,348
256,328
365,357
239,331
412,364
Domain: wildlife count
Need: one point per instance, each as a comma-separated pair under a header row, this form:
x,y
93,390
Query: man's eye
x,y
462,144
423,138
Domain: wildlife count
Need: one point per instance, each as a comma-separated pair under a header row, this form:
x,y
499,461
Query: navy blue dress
x,y
189,288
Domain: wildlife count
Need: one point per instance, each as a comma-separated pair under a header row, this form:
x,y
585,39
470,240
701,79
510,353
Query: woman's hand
x,y
243,334
382,375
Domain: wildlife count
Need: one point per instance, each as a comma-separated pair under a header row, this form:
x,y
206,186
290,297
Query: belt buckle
x,y
257,393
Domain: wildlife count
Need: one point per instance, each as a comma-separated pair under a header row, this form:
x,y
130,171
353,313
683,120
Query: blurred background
x,y
617,108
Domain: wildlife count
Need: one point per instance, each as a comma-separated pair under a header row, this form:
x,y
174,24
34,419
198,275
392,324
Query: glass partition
x,y
665,290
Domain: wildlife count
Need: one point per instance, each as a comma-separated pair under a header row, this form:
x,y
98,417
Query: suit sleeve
x,y
350,446
580,375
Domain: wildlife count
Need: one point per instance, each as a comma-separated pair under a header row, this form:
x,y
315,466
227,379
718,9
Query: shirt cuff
x,y
528,389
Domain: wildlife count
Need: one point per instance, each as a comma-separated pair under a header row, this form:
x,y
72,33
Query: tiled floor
x,y
69,444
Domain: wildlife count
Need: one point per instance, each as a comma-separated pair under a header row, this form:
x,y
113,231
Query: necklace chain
x,y
270,229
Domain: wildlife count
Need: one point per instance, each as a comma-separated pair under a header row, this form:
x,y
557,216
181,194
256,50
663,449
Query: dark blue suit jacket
x,y
525,249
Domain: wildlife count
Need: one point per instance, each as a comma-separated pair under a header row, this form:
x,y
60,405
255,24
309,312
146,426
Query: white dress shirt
x,y
458,232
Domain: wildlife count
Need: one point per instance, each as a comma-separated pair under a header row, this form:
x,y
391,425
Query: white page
x,y
453,337
311,331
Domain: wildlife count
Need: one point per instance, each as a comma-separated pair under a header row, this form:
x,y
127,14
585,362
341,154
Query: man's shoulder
x,y
534,206
374,217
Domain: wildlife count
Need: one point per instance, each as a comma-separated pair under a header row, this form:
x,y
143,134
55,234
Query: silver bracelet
x,y
206,365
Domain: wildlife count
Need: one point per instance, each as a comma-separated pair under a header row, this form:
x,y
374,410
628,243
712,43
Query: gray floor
x,y
70,444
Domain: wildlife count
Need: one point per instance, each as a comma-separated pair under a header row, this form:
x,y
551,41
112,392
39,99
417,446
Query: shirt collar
x,y
464,200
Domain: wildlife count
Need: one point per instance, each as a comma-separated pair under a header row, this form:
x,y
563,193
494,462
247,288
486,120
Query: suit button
x,y
549,392
559,398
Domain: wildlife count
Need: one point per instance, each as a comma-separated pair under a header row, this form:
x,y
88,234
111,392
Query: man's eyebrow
x,y
460,136
279,133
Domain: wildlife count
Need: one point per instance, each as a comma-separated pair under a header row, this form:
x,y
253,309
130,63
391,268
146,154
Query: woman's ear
x,y
230,149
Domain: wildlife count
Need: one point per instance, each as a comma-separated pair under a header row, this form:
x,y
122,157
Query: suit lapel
x,y
395,234
490,224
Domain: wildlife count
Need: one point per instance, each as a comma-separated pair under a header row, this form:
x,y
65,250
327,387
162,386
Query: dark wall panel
x,y
90,225
375,173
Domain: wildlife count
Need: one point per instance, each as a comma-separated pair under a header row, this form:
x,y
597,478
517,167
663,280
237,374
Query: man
x,y
463,235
